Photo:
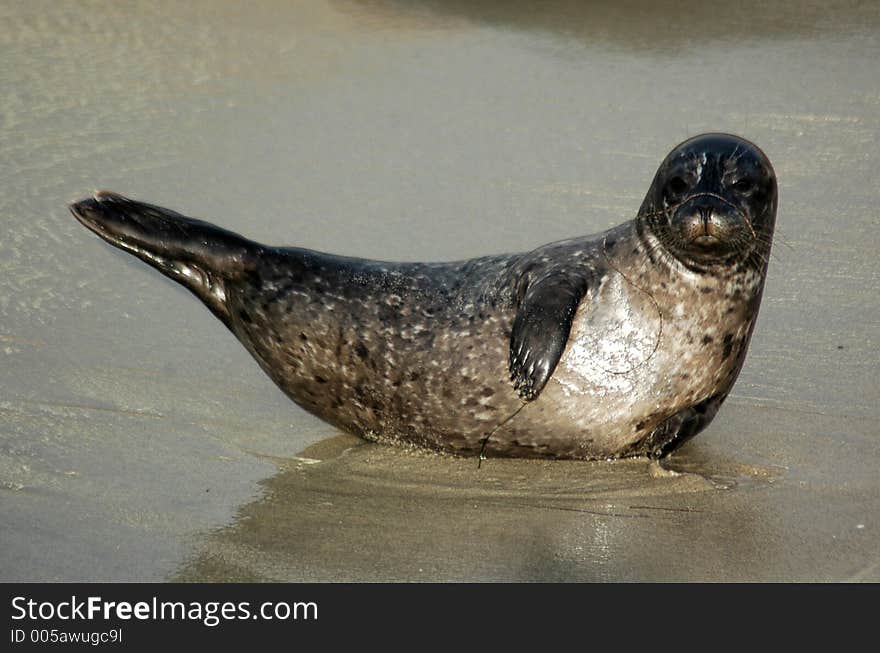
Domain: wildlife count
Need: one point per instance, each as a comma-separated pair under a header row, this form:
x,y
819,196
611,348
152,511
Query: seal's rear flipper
x,y
194,253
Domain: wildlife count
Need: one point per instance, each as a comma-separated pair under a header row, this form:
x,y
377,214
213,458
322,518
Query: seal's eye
x,y
744,185
677,186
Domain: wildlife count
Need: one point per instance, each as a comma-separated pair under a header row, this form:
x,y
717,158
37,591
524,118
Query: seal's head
x,y
713,202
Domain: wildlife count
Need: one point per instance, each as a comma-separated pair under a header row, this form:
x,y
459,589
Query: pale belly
x,y
628,366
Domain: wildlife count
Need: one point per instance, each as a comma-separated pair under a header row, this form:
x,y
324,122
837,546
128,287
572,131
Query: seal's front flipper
x,y
541,330
194,253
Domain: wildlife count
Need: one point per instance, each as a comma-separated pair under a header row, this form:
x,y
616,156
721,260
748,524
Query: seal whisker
x,y
778,234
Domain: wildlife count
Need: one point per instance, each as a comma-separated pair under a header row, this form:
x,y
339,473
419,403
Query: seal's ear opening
x,y
196,254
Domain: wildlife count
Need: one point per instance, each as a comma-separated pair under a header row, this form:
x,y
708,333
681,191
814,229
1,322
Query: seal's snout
x,y
706,223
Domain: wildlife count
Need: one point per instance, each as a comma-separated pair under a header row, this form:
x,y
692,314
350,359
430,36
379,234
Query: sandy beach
x,y
140,442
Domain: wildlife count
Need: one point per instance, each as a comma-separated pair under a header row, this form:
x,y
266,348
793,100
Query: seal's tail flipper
x,y
196,254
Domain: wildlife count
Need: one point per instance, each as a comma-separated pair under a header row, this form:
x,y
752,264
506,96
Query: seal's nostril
x,y
705,217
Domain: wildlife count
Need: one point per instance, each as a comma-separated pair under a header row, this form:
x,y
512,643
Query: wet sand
x,y
139,441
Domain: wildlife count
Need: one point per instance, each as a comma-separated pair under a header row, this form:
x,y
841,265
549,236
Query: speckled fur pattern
x,y
392,352
647,341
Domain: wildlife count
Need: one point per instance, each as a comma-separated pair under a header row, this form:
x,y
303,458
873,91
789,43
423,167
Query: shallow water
x,y
139,441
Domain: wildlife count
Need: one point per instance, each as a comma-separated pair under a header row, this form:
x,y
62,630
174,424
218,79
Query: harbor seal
x,y
621,344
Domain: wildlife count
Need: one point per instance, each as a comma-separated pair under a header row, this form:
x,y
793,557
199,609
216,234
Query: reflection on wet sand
x,y
346,510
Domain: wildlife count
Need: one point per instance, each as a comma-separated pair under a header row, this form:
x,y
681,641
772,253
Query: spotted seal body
x,y
620,344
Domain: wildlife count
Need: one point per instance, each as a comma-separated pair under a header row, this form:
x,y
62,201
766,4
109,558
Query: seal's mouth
x,y
706,241
707,233
708,226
